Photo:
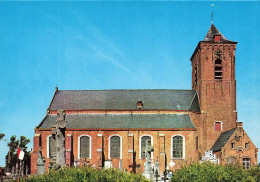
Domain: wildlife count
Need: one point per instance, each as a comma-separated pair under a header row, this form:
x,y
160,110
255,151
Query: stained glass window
x,y
52,148
143,140
114,147
84,147
177,147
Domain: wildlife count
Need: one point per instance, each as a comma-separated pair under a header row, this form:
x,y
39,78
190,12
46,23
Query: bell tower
x,y
213,78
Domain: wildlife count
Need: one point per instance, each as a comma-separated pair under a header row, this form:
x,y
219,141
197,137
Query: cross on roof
x,y
212,13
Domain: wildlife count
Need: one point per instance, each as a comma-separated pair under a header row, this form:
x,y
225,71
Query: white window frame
x,y
221,127
140,145
183,147
121,146
246,164
247,145
90,145
232,145
48,143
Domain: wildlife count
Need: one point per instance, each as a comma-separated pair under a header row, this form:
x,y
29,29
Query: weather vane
x,y
212,13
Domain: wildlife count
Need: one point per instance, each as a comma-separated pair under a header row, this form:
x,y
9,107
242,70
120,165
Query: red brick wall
x,y
130,139
217,97
34,153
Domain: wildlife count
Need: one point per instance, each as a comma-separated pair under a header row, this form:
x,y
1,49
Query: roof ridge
x,y
56,90
131,90
52,115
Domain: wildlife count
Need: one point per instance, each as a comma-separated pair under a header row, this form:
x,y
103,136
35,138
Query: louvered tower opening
x,y
218,69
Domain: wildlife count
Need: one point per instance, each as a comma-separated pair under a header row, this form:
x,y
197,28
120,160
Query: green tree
x,y
13,144
1,135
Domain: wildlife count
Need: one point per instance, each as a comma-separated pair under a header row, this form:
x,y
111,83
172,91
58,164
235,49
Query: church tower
x,y
213,78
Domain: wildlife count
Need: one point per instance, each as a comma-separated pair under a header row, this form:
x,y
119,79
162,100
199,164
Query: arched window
x,y
218,69
178,147
85,146
142,145
115,146
51,149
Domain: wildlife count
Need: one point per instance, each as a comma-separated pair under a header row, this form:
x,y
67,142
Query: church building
x,y
109,128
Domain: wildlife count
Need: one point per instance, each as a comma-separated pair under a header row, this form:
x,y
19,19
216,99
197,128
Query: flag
x,y
20,154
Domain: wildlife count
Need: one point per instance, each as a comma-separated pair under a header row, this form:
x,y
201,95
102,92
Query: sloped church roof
x,y
213,31
222,140
122,121
152,99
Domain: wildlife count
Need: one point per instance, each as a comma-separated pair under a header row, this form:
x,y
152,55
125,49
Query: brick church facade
x,y
110,127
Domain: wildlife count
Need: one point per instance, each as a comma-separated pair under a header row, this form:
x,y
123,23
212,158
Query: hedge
x,y
215,173
88,174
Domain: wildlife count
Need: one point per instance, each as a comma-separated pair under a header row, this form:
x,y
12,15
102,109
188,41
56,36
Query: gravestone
x,y
148,170
108,164
209,156
134,165
156,166
60,139
40,163
52,154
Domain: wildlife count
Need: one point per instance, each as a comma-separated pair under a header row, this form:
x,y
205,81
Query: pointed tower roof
x,y
213,31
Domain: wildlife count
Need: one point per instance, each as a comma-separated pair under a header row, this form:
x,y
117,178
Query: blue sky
x,y
115,45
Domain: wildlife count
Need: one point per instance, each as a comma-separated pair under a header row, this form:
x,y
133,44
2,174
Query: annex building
x,y
110,127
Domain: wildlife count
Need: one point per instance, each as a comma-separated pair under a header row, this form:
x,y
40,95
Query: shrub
x,y
85,174
213,173
255,172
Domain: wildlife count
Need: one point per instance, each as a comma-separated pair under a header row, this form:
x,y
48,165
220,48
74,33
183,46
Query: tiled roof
x,y
222,140
214,31
154,99
121,121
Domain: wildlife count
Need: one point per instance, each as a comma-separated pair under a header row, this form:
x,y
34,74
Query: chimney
x,y
239,126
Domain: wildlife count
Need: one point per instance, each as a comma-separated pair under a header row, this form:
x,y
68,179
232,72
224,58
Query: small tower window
x,y
218,69
217,38
232,146
246,145
218,126
197,143
196,75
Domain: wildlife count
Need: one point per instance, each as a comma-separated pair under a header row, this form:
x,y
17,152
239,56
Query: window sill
x,y
178,158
